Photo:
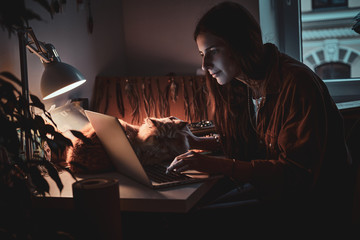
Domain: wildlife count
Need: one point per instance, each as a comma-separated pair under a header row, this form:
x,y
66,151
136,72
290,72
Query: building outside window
x,y
330,47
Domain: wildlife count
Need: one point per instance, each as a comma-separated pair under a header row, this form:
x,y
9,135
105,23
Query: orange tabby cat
x,y
155,141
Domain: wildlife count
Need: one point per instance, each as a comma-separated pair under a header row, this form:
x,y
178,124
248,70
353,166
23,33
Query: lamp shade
x,y
58,78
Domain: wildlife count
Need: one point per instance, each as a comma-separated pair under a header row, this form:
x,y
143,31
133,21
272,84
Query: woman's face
x,y
216,58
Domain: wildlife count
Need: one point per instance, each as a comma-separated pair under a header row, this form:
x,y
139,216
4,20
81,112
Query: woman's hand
x,y
193,160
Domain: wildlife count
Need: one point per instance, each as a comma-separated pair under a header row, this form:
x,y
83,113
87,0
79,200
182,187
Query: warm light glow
x,y
64,89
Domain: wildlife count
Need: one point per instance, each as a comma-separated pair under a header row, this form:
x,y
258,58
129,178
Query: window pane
x,y
328,38
333,70
320,4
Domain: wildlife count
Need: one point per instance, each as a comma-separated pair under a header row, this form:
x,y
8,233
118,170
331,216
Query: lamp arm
x,y
38,53
37,47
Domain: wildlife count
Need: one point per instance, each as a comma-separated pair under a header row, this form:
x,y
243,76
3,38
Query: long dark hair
x,y
235,25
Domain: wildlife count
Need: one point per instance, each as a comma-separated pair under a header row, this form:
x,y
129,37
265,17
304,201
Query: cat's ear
x,y
174,118
182,125
152,122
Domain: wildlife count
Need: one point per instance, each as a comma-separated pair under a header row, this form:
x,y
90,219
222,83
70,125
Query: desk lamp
x,y
57,78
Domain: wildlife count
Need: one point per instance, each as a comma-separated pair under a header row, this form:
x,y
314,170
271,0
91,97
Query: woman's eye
x,y
213,51
209,52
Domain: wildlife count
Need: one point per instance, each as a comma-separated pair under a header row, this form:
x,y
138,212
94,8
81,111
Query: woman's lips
x,y
215,74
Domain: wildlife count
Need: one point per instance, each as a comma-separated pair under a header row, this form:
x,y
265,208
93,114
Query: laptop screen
x,y
114,139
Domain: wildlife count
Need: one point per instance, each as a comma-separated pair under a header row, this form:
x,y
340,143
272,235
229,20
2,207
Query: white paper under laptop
x,y
112,135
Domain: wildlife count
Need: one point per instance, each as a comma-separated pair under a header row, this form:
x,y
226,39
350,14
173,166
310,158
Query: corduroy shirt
x,y
301,131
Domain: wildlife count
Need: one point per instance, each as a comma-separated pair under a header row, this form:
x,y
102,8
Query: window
x,y
330,47
333,70
323,39
323,4
328,39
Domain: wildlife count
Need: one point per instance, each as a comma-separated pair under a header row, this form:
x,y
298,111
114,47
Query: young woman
x,y
279,128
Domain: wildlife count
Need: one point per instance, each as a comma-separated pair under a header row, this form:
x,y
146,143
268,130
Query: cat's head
x,y
162,139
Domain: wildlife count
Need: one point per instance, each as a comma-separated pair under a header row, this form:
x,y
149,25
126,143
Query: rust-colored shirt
x,y
300,129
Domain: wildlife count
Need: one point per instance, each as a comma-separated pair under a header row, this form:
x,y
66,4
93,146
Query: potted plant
x,y
22,175
22,178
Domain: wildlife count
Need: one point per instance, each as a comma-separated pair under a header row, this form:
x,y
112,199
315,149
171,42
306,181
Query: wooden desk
x,y
134,197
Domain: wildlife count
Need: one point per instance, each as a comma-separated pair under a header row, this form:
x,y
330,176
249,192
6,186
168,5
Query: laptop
x,y
114,139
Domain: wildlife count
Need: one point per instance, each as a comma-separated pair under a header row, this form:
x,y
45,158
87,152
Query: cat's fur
x,y
155,141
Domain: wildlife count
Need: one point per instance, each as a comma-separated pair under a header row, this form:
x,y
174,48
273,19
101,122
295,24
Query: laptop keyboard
x,y
157,173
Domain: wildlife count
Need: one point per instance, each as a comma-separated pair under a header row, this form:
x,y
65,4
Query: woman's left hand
x,y
193,160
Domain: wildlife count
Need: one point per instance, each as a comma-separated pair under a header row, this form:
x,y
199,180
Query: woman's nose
x,y
206,63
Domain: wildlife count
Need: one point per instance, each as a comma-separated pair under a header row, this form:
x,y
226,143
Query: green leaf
x,y
8,93
71,173
58,143
22,103
82,137
48,116
39,120
52,145
9,136
11,77
49,129
30,15
41,185
45,4
54,174
62,140
8,97
55,6
37,103
40,126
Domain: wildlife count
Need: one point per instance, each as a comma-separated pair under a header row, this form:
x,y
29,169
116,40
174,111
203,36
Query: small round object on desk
x,y
97,204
